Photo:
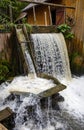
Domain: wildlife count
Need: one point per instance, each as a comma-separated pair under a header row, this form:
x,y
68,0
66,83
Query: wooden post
x,y
50,15
34,14
64,15
45,18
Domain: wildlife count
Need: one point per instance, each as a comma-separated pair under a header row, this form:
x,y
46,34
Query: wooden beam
x,y
2,127
48,4
5,113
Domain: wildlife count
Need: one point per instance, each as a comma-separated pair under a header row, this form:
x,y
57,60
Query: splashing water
x,y
51,57
74,96
25,50
31,116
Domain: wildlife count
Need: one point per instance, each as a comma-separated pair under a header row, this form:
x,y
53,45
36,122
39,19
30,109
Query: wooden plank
x,y
44,29
57,88
41,91
48,4
35,29
52,91
5,113
2,127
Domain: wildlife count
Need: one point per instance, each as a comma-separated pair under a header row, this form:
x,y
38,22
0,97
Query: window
x,y
58,16
53,14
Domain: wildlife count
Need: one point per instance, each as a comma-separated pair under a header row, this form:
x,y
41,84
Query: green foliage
x,y
16,7
66,30
5,70
75,54
29,28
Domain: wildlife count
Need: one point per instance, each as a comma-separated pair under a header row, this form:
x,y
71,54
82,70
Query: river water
x,y
69,117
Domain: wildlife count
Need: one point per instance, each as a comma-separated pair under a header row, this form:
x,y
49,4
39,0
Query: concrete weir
x,y
24,41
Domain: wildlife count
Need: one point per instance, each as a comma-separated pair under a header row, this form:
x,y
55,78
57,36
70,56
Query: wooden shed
x,y
56,12
46,12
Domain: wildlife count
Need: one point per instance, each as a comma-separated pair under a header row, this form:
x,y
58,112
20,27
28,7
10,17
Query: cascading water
x,y
51,58
25,50
51,54
31,116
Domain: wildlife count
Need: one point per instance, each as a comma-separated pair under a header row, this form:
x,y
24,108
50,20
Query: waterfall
x,y
30,63
50,54
30,113
25,51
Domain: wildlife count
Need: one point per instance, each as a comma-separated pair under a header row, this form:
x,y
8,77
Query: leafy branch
x,y
66,31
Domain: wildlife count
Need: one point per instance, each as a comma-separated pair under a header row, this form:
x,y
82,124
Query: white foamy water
x,y
26,85
74,97
73,104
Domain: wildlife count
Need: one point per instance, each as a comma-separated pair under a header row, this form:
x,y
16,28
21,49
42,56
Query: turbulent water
x,y
31,116
31,112
51,55
25,51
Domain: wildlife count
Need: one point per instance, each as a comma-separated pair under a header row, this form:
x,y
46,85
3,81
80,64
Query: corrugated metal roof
x,y
31,4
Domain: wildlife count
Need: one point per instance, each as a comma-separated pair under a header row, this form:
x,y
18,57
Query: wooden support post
x,y
64,15
50,15
34,14
45,18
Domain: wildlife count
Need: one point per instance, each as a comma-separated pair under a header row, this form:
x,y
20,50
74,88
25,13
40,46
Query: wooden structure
x,y
23,41
5,113
2,127
7,119
56,12
46,12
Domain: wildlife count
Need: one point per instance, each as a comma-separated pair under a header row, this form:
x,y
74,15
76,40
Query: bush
x,y
66,31
5,70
